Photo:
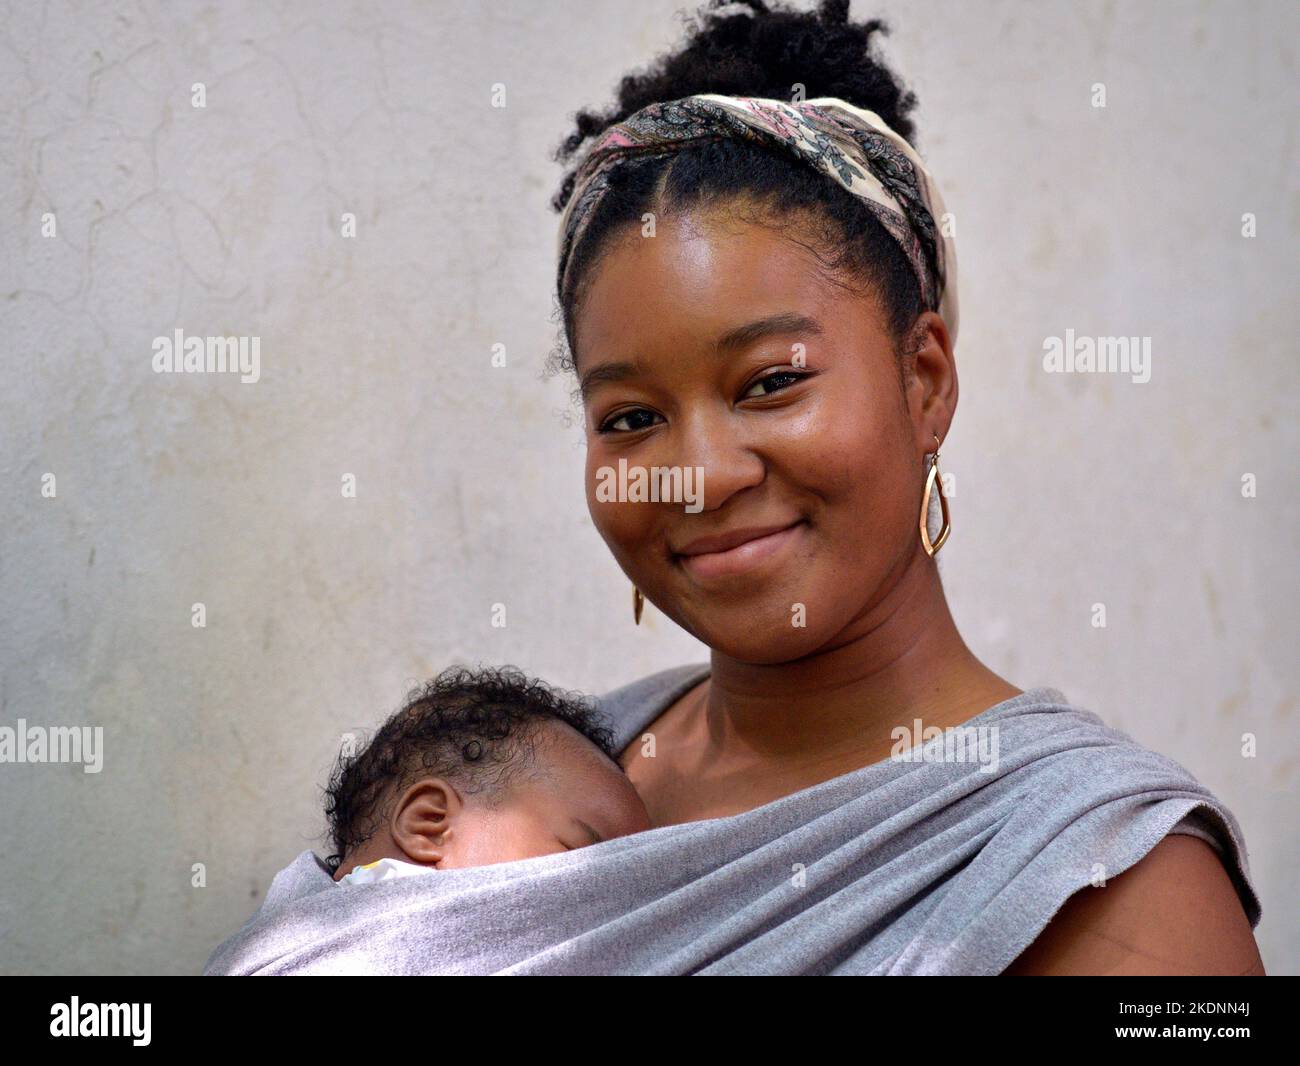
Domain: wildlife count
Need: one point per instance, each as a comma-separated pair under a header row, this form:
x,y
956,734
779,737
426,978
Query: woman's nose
x,y
720,456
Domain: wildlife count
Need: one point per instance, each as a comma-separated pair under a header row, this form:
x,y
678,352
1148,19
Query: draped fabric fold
x,y
916,867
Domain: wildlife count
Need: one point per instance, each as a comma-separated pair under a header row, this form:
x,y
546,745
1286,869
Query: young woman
x,y
760,307
757,287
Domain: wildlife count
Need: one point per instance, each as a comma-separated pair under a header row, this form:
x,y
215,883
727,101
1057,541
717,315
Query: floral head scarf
x,y
848,144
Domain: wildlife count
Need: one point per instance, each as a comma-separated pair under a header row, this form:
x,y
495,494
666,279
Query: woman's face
x,y
801,431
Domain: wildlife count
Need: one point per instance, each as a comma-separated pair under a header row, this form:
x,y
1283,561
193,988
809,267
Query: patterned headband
x,y
853,146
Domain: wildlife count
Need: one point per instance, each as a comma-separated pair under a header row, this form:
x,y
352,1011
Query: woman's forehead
x,y
700,286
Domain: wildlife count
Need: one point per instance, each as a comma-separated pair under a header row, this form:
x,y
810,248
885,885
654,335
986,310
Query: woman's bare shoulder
x,y
1175,912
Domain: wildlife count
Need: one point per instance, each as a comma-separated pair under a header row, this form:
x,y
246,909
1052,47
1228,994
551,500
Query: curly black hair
x,y
769,51
475,727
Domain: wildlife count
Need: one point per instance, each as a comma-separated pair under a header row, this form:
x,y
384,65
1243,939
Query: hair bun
x,y
767,50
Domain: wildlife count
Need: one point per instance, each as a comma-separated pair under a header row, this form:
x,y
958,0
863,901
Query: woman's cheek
x,y
860,477
624,526
838,444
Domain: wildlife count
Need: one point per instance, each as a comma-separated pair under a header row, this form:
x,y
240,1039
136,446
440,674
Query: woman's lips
x,y
741,558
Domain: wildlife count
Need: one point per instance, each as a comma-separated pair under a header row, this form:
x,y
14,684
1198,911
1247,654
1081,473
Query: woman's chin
x,y
740,636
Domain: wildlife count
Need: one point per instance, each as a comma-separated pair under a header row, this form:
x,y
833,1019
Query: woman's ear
x,y
931,375
423,820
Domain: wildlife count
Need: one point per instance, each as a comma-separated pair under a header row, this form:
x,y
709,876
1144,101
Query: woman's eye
x,y
628,421
783,379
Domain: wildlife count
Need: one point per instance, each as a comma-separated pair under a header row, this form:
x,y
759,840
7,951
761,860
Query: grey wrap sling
x,y
927,867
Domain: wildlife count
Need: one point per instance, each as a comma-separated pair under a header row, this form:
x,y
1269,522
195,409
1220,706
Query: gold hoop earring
x,y
638,601
933,481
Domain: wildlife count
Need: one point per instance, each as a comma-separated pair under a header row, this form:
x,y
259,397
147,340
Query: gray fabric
x,y
907,868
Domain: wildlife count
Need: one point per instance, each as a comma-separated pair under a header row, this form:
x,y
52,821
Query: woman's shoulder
x,y
1071,742
1104,793
1177,911
629,708
1179,896
1070,805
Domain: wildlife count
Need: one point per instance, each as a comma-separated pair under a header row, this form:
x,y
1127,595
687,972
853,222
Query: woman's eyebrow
x,y
606,372
782,322
733,340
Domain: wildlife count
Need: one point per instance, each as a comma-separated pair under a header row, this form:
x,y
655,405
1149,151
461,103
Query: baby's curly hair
x,y
753,48
474,727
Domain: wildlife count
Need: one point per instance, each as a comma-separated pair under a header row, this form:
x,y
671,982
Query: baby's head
x,y
479,767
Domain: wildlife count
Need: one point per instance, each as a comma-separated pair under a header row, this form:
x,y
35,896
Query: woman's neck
x,y
902,659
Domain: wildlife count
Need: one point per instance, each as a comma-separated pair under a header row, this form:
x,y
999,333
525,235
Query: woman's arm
x,y
1174,913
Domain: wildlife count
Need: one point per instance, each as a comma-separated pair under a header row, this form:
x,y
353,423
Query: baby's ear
x,y
422,820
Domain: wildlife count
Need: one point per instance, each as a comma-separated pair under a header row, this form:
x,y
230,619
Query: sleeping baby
x,y
479,767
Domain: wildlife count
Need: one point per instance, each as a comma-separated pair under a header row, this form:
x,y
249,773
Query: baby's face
x,y
573,797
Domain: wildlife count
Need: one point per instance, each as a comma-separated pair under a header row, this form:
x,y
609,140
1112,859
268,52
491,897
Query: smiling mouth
x,y
737,558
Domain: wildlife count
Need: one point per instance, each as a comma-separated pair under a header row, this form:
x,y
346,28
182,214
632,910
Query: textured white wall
x,y
375,360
